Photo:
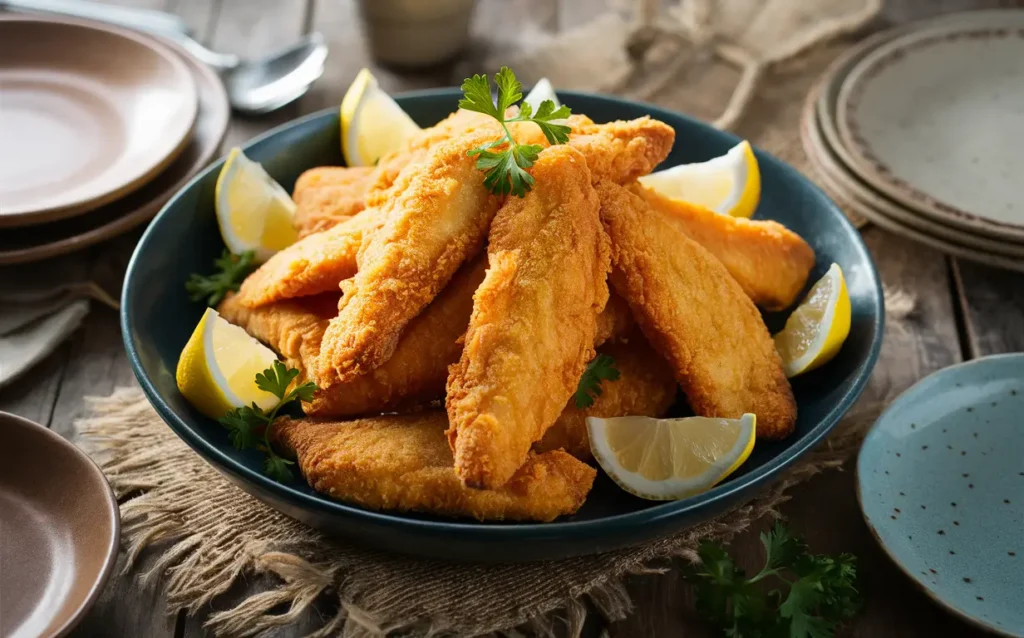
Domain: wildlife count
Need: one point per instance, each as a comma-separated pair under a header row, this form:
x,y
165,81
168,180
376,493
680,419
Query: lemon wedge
x,y
541,91
816,330
253,211
218,366
669,459
729,184
372,123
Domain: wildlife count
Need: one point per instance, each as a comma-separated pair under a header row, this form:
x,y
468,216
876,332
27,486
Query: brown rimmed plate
x,y
60,530
32,243
90,113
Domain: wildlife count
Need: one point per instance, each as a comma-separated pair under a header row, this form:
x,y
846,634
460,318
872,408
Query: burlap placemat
x,y
209,534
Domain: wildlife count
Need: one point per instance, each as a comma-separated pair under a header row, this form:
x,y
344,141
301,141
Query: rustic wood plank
x,y
992,306
127,608
97,363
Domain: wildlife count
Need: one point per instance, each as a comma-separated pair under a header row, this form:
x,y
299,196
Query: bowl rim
x,y
660,514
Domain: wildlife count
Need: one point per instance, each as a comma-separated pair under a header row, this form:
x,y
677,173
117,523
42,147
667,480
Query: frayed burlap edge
x,y
209,534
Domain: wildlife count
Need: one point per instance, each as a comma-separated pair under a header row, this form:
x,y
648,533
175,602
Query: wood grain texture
x,y
824,510
993,308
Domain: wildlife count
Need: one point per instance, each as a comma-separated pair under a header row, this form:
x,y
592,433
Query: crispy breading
x,y
328,195
416,148
694,313
770,262
645,387
534,321
293,328
437,220
418,369
314,264
621,151
403,463
615,321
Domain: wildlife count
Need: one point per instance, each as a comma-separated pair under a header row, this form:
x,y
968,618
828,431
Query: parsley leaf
x,y
504,168
231,270
276,379
601,368
249,426
822,595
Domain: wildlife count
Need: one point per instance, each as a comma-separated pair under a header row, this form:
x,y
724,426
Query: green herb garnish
x,y
601,368
249,426
231,270
504,169
821,594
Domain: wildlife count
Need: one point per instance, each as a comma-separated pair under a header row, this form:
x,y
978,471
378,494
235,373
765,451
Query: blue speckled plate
x,y
940,479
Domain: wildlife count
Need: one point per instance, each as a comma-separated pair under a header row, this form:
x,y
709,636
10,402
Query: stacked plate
x,y
99,126
921,131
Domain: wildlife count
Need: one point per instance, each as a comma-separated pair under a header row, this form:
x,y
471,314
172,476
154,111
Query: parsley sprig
x,y
231,270
504,169
822,590
249,426
601,368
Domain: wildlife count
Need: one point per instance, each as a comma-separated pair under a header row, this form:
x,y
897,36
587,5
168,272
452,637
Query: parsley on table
x,y
504,169
821,593
249,426
231,270
601,368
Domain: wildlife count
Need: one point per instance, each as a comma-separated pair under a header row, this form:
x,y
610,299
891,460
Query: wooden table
x,y
963,311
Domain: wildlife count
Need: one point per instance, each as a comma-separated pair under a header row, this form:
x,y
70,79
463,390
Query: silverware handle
x,y
144,19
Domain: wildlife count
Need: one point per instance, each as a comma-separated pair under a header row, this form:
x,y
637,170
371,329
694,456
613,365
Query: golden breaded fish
x,y
645,387
437,220
328,195
402,463
695,314
534,321
316,263
770,262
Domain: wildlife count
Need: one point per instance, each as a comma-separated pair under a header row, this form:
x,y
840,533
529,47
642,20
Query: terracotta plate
x,y
32,243
90,113
60,529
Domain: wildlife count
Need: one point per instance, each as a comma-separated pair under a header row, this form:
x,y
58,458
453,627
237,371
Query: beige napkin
x,y
36,316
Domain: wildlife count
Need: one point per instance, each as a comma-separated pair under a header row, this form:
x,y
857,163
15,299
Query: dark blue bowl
x,y
157,319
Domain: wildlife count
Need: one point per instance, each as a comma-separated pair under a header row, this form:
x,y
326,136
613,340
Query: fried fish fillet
x,y
770,262
418,369
328,195
293,328
314,264
623,150
645,387
437,220
534,321
403,464
418,146
694,313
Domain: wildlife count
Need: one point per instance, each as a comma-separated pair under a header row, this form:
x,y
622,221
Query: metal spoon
x,y
258,86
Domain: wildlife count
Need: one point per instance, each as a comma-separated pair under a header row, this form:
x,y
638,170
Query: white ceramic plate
x,y
934,119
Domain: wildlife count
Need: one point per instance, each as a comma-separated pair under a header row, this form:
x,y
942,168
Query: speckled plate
x,y
932,118
940,479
